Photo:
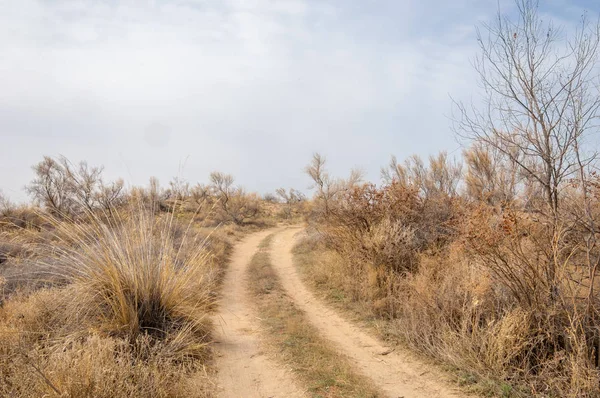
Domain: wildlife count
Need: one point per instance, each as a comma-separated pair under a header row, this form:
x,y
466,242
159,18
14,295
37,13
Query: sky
x,y
181,88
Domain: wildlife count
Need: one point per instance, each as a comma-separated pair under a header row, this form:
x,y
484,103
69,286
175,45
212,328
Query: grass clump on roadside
x,y
124,315
288,333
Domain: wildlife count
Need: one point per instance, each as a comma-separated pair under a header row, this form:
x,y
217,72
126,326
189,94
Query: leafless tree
x,y
51,187
540,111
323,183
84,183
223,187
200,194
66,189
234,202
541,97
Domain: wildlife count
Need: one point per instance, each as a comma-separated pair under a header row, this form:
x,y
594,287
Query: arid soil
x,y
246,372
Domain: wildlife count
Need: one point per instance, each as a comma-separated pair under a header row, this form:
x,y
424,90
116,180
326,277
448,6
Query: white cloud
x,y
248,87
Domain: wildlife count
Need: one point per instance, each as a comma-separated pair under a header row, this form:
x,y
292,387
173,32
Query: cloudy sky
x,y
249,87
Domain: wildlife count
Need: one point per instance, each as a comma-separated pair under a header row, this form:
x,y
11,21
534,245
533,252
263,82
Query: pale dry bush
x,y
234,204
241,208
440,177
152,197
381,231
328,189
490,177
454,311
293,202
68,190
21,217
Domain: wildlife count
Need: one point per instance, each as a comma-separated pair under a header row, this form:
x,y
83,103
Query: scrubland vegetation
x,y
487,264
107,291
490,264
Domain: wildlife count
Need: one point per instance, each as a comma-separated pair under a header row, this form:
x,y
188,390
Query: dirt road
x,y
244,371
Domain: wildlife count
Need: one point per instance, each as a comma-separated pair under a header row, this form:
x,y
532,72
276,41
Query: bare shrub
x,y
111,196
270,198
51,187
436,184
235,204
152,197
200,193
291,199
68,190
380,233
6,206
328,188
179,189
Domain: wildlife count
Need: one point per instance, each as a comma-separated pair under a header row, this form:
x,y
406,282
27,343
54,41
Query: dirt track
x,y
245,372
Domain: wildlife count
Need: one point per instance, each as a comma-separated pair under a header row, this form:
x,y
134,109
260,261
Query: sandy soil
x,y
244,371
397,373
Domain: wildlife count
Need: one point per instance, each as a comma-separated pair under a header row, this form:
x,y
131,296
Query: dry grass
x,y
109,296
294,341
452,312
325,271
128,319
506,296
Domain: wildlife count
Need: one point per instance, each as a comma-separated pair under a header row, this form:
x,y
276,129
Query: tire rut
x,y
243,370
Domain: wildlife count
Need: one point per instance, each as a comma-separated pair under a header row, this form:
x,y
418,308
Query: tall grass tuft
x,y
133,291
143,274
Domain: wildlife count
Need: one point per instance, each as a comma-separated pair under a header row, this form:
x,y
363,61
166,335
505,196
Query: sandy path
x,y
397,373
244,371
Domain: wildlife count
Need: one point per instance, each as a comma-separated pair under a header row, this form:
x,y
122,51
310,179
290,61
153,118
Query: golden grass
x,y
294,341
129,317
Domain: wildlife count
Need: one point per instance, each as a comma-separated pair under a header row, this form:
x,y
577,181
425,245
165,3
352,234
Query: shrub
x,y
66,190
234,203
292,201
